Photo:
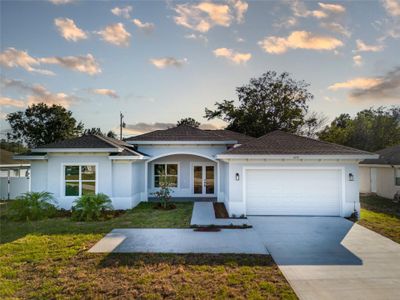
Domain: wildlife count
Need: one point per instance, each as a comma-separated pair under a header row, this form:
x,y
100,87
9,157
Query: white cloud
x,y
115,34
362,47
84,64
61,2
193,36
122,11
240,8
336,27
68,30
334,8
233,56
5,101
142,127
299,40
146,27
12,58
37,93
392,7
204,15
106,92
358,61
356,83
164,62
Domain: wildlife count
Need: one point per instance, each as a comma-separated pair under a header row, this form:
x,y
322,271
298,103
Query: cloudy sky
x,y
158,61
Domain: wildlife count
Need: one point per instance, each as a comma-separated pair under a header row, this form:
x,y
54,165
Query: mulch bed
x,y
220,210
207,229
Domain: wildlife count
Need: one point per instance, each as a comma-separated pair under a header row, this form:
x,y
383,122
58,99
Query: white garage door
x,y
313,192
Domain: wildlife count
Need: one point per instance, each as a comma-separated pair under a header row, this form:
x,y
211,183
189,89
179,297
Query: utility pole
x,y
121,125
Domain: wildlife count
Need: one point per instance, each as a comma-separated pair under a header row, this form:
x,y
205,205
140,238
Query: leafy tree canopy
x,y
370,130
14,147
97,130
271,102
41,124
188,121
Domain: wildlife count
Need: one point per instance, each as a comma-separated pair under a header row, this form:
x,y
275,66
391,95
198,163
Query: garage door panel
x,y
293,192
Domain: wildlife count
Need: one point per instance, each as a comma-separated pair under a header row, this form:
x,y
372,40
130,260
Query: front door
x,y
203,179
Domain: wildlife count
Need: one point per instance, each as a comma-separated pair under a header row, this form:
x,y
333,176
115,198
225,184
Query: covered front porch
x,y
192,177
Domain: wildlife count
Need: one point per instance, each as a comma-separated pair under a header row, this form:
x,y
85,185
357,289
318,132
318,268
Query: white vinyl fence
x,y
14,181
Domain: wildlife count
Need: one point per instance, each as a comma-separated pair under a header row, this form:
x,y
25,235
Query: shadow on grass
x,y
142,216
140,259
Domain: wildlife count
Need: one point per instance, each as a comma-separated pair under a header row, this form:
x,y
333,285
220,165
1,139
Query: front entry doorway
x,y
203,179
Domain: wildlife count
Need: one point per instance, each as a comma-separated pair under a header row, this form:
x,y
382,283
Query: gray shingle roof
x,y
281,143
93,141
181,133
232,135
85,141
387,156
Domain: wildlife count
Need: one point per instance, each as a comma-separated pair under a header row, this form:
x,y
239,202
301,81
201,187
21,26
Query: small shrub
x,y
164,193
32,206
91,207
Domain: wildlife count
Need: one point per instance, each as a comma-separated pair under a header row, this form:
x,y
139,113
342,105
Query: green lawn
x,y
381,215
49,259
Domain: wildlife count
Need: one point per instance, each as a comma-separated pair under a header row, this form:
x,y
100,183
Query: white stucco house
x,y
276,174
381,176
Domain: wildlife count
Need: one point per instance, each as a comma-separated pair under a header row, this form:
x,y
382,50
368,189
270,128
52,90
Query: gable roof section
x,y
181,133
387,156
283,143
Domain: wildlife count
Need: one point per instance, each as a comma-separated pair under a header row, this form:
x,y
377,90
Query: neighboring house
x,y
381,175
14,176
276,174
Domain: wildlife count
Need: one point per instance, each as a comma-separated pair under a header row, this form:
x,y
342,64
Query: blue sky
x,y
159,61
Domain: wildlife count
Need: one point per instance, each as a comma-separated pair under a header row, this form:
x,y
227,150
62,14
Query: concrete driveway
x,y
332,258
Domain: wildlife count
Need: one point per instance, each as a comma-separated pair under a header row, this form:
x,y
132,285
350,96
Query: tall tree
x,y
111,134
188,121
370,130
272,101
313,123
41,124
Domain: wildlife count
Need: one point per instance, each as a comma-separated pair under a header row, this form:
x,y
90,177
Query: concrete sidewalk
x,y
203,215
149,240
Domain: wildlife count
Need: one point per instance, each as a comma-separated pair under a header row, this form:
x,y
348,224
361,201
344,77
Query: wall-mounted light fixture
x,y
237,176
351,177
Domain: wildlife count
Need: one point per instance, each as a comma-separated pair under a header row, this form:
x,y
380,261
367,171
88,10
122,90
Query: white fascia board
x,y
75,150
297,157
182,142
14,165
30,157
379,165
128,157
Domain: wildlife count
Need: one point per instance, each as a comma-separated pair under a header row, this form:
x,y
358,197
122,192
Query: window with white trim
x,y
397,176
79,180
167,172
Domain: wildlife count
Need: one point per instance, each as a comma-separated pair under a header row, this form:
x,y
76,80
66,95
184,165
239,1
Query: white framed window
x,y
79,180
166,171
397,176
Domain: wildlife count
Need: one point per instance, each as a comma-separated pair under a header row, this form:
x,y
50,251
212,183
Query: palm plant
x,y
91,207
32,206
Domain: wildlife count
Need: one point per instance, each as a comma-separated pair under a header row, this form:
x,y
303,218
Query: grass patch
x,y
381,215
48,259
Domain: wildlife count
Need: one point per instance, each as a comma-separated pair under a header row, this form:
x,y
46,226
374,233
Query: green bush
x,y
32,206
91,207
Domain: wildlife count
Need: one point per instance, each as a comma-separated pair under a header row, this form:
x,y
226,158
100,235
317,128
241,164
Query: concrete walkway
x,y
203,214
148,240
332,258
